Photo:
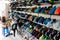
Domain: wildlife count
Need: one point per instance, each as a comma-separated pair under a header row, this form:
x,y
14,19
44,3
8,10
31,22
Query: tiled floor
x,y
11,37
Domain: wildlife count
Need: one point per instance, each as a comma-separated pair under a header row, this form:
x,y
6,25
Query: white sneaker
x,y
56,25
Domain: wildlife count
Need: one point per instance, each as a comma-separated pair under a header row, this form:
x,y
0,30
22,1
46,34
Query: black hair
x,y
3,19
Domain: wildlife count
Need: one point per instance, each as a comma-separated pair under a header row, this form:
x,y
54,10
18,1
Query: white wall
x,y
4,8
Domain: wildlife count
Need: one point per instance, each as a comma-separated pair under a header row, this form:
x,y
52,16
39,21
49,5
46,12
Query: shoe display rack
x,y
28,28
29,35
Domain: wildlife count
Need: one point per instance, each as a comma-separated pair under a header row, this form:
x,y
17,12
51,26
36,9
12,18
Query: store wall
x,y
4,7
7,9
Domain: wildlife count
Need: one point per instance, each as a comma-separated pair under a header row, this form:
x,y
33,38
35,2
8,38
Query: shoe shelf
x,y
26,13
43,25
55,17
40,23
25,34
28,34
26,6
43,15
13,1
56,5
37,14
42,5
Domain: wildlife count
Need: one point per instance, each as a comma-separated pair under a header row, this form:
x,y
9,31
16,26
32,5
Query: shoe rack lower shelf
x,y
43,15
41,24
25,35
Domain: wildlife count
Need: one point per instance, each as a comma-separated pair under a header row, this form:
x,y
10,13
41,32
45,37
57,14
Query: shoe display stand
x,y
43,15
26,35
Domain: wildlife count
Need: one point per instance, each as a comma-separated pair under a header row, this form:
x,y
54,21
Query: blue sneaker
x,y
41,19
52,10
47,20
43,10
37,10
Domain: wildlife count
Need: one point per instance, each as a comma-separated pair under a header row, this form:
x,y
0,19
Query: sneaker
x,y
43,10
42,37
50,24
41,19
52,10
56,25
57,11
47,20
37,10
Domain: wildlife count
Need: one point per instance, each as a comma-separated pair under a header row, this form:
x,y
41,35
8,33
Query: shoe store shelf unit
x,y
43,15
36,14
27,34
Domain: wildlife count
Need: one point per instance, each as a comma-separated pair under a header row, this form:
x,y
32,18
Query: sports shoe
x,y
37,10
41,19
56,25
47,20
43,10
23,3
57,11
49,32
50,24
52,10
42,37
57,36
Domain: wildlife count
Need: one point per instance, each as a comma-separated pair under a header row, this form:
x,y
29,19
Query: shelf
x,y
27,6
20,11
43,15
35,14
42,24
56,5
42,5
55,17
29,35
45,5
26,13
40,14
47,16
13,1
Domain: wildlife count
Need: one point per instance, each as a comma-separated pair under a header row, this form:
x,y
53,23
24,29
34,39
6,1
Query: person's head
x,y
3,19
